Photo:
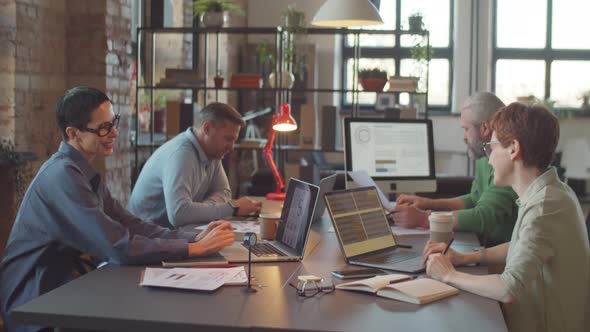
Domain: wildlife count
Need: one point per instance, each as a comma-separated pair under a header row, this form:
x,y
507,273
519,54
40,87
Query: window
x,y
393,54
541,49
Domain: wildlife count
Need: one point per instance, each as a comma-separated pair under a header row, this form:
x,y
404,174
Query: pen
x,y
403,279
215,266
448,246
407,246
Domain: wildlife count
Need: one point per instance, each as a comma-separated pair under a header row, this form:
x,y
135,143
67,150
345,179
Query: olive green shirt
x,y
490,211
548,262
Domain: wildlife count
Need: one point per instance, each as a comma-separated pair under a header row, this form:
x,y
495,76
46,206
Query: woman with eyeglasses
x,y
545,283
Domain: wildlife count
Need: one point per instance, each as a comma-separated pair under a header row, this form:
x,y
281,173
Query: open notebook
x,y
418,291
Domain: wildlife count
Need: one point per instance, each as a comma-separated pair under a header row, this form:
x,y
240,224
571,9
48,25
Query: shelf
x,y
272,30
145,87
207,42
144,140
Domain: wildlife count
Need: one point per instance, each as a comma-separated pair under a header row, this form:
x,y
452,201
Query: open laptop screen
x,y
359,220
296,215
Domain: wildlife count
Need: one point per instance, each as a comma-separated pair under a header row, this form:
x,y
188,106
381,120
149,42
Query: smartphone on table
x,y
357,273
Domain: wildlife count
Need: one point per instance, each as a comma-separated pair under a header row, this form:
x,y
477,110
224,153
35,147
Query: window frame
x,y
397,53
546,54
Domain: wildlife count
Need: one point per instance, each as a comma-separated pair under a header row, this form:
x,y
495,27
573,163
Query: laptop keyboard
x,y
265,250
392,257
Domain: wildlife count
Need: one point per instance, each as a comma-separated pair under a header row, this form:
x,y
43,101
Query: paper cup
x,y
268,225
441,226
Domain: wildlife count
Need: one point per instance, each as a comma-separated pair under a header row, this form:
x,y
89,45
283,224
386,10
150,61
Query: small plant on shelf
x,y
373,79
212,12
293,20
416,22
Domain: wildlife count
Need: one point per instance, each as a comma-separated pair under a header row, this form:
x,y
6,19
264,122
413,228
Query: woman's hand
x,y
211,226
431,248
439,267
216,237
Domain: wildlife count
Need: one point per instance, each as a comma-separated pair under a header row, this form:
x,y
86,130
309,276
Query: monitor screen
x,y
393,151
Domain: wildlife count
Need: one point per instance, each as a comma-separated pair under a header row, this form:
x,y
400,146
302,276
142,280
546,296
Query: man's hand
x,y
408,216
247,206
439,267
418,202
432,248
216,237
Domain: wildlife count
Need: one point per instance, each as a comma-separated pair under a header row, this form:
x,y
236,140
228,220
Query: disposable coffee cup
x,y
441,226
268,225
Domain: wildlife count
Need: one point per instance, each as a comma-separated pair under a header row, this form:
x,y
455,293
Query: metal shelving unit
x,y
146,52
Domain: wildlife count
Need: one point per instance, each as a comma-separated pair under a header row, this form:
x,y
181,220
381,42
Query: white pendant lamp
x,y
347,13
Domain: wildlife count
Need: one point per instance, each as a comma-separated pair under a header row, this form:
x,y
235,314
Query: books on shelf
x,y
403,84
213,259
180,77
243,80
193,279
252,143
403,288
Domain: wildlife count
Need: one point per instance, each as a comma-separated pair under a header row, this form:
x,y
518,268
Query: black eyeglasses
x,y
312,287
105,128
487,149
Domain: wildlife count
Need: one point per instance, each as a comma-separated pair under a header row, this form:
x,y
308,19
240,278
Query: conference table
x,y
110,299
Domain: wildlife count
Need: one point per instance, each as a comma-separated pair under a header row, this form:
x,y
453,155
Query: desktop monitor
x,y
397,154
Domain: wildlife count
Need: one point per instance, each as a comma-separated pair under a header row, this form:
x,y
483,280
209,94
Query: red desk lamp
x,y
281,121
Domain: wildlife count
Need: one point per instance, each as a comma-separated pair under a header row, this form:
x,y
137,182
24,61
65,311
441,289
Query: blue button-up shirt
x,y
66,212
179,185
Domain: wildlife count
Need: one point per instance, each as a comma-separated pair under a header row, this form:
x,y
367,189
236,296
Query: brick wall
x,y
50,46
118,71
7,68
39,75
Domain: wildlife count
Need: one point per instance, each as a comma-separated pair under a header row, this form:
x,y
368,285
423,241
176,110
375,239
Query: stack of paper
x,y
195,279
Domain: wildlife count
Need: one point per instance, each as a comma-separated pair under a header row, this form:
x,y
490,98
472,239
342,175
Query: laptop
x,y
364,234
326,185
292,232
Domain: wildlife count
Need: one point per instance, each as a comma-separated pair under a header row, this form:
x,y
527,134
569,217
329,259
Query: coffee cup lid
x,y
270,215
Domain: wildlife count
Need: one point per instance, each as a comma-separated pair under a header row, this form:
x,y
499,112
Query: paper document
x,y
398,230
362,179
194,279
239,226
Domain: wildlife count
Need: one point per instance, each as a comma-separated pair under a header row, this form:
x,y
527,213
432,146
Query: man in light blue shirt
x,y
68,220
183,182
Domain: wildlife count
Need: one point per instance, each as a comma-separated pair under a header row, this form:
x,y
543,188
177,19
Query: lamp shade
x,y
576,158
283,121
347,13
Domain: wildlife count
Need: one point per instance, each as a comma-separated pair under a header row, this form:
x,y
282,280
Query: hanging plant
x,y
22,169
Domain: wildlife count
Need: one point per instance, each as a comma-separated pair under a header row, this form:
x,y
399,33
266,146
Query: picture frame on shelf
x,y
384,101
418,102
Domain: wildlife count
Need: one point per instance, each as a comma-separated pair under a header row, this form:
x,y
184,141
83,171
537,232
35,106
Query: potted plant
x,y
266,54
22,169
416,22
421,53
373,79
293,20
218,80
213,12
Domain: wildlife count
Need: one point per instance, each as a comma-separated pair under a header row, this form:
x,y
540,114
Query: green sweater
x,y
490,211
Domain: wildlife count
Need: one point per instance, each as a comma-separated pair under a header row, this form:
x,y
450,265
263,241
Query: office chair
x,y
588,225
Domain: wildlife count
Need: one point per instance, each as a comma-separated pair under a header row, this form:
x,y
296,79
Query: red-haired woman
x,y
546,282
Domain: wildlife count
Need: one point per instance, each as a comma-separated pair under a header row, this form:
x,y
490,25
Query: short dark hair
x,y
74,108
534,127
216,113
